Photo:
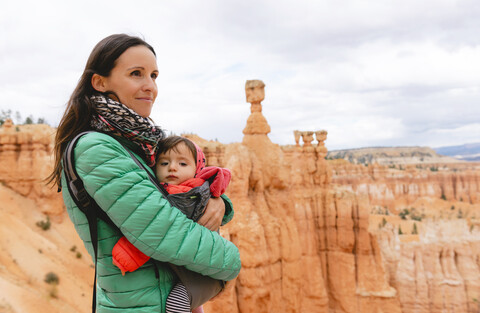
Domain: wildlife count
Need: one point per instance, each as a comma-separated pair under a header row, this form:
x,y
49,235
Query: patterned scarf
x,y
117,119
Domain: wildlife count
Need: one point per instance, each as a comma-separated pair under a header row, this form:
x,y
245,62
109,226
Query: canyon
x,y
315,235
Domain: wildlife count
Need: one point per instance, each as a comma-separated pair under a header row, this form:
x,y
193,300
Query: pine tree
x,y
415,230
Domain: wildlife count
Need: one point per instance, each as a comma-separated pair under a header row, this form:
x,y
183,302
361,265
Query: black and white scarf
x,y
117,119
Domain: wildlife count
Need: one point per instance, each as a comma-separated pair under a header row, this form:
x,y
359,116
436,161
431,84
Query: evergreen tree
x,y
4,115
28,120
384,222
415,230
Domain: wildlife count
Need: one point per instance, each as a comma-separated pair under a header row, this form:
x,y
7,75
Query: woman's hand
x,y
213,216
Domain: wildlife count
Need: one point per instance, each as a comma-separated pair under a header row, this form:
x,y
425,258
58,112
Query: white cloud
x,y
454,136
370,73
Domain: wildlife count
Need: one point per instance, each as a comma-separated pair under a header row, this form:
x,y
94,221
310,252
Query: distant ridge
x,y
391,155
466,152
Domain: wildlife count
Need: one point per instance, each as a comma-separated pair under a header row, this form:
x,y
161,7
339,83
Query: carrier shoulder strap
x,y
85,203
75,184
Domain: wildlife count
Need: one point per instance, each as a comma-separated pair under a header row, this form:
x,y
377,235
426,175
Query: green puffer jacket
x,y
148,221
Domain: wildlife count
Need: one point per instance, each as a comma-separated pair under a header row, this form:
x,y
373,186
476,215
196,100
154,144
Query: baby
x,y
181,170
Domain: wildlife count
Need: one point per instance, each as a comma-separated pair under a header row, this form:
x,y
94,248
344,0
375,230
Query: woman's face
x,y
132,80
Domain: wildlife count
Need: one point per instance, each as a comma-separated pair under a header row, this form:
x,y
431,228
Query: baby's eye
x,y
163,163
183,164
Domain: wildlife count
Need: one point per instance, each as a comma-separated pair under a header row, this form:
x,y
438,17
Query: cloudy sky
x,y
371,73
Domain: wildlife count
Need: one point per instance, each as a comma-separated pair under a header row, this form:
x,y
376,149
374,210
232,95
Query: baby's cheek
x,y
158,173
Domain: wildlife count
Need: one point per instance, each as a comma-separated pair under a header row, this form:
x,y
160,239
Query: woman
x,y
115,96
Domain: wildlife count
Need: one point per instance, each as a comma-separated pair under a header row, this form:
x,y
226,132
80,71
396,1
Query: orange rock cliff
x,y
314,235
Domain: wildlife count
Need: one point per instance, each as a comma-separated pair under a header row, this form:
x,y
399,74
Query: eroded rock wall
x,y
438,273
305,247
392,187
26,161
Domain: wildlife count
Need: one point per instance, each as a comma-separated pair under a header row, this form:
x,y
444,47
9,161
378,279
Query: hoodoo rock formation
x,y
314,235
304,246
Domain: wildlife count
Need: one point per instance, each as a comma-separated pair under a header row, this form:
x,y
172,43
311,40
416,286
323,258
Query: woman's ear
x,y
98,83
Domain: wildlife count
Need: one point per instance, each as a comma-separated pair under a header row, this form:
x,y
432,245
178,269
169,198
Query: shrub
x,y
400,232
416,217
403,214
460,213
51,278
78,255
45,225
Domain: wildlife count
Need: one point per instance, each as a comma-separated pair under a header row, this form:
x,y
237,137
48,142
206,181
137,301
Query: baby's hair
x,y
171,142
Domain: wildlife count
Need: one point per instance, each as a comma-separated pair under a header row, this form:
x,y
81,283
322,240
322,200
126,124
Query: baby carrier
x,y
191,203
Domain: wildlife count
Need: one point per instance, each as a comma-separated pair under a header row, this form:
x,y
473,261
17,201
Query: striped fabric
x,y
178,301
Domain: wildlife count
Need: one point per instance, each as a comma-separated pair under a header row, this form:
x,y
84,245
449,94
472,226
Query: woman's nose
x,y
150,84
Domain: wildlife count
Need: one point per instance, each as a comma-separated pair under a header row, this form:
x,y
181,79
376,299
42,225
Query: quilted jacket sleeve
x,y
134,204
228,210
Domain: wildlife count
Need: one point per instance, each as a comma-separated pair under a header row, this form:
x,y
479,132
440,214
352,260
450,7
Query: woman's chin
x,y
144,113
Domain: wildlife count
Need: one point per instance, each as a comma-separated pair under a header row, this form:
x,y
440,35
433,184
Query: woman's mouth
x,y
146,99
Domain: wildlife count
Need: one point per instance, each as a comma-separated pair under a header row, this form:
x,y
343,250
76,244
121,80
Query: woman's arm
x,y
134,204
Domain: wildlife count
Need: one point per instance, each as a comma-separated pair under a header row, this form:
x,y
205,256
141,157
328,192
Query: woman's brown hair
x,y
80,110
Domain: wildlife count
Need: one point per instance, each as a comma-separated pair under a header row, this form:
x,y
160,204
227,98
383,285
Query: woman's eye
x,y
136,73
154,75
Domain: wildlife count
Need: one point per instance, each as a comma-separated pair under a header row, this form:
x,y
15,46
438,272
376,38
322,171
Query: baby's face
x,y
176,165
